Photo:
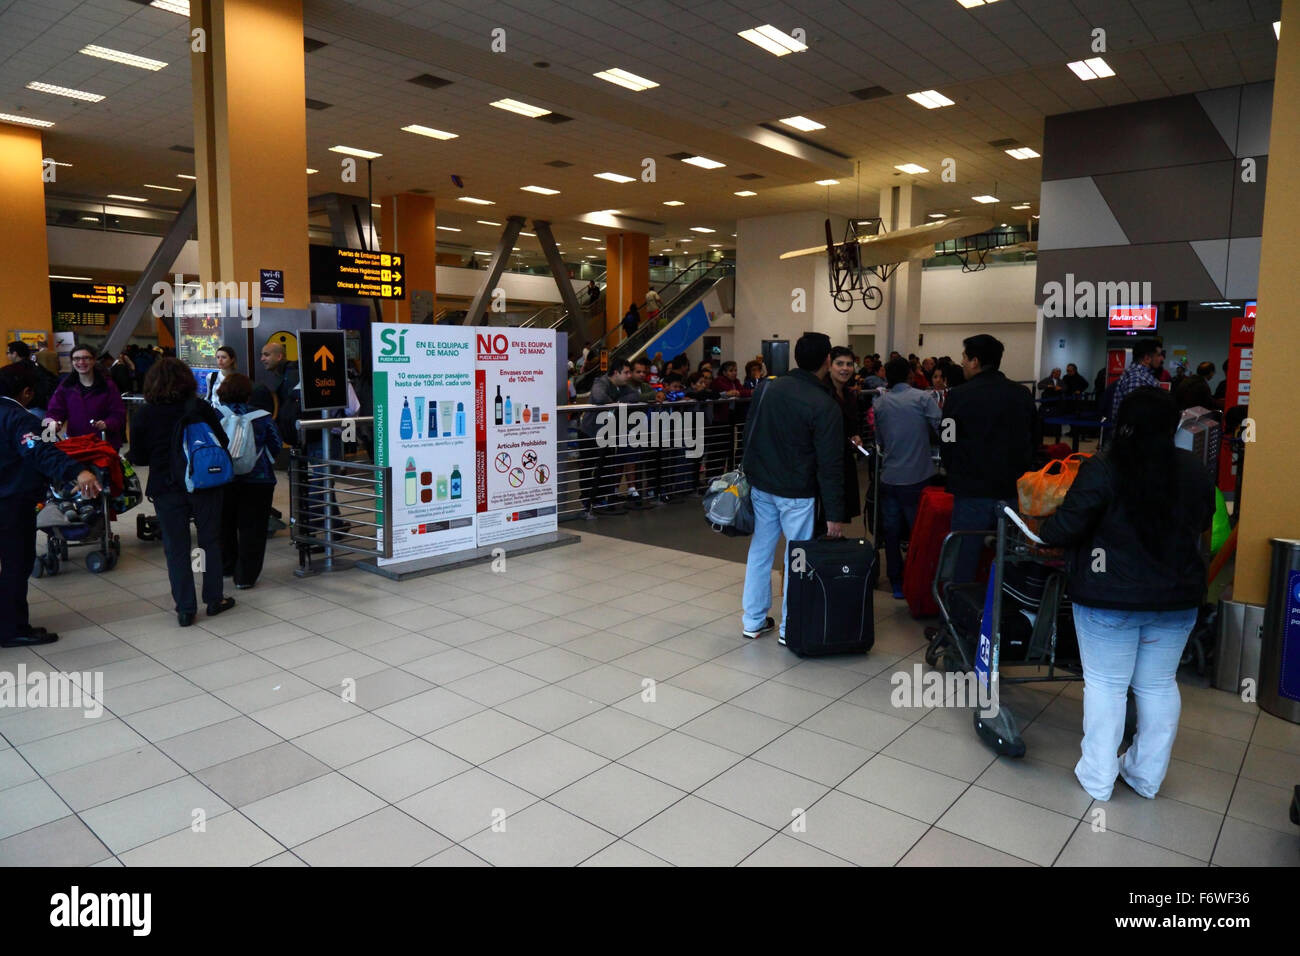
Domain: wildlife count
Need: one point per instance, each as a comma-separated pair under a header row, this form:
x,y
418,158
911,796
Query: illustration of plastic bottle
x,y
412,484
507,409
406,429
419,416
433,420
497,406
460,421
442,487
455,482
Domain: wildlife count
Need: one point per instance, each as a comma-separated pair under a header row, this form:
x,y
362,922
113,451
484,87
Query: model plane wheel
x,y
843,300
872,297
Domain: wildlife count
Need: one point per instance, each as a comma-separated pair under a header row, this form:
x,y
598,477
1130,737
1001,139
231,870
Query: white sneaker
x,y
767,625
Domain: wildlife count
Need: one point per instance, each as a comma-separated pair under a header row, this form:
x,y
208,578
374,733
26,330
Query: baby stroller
x,y
68,519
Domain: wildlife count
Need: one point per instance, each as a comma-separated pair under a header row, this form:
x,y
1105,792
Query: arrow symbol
x,y
321,355
397,276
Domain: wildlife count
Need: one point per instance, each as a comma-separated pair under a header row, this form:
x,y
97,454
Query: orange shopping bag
x,y
1041,492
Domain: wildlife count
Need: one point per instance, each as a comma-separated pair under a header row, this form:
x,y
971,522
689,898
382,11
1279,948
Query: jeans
x,y
971,514
1122,649
898,504
773,516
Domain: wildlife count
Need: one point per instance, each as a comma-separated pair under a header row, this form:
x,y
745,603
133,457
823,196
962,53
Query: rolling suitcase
x,y
828,608
933,522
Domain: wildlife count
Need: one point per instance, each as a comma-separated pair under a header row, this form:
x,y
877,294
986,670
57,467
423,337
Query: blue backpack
x,y
207,464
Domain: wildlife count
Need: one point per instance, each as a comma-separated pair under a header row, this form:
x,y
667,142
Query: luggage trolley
x,y
976,634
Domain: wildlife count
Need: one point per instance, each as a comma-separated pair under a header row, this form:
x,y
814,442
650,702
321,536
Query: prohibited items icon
x,y
503,462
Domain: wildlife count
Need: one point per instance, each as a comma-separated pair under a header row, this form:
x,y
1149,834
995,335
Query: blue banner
x,y
1288,682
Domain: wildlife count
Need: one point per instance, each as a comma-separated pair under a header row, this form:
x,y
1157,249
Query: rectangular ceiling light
x,y
55,163
126,59
590,238
310,171
802,123
828,182
65,91
985,199
674,202
25,120
428,131
1021,152
477,202
937,215
625,79
703,163
479,252
930,99
970,4
353,151
911,168
540,190
188,176
523,109
75,278
615,177
447,228
1023,205
702,229
173,6
774,41
530,235
127,198
746,192
170,189
1091,69
486,222
1277,29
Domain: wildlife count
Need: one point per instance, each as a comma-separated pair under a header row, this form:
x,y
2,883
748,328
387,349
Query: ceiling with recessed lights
x,y
376,66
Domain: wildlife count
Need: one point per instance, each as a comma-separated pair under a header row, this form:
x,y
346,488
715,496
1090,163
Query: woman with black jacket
x,y
839,383
1131,524
170,394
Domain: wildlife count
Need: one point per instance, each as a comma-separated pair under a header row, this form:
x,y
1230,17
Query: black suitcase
x,y
829,607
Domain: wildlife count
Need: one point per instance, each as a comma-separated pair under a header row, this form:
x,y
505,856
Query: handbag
x,y
727,505
1041,492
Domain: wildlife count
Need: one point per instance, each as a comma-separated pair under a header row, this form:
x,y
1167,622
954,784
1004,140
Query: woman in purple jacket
x,y
87,401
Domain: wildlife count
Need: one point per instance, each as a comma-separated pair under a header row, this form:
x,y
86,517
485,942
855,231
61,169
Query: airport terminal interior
x,y
483,302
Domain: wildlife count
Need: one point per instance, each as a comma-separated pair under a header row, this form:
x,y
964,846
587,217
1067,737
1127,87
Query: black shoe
x,y
185,618
37,635
242,587
766,626
225,604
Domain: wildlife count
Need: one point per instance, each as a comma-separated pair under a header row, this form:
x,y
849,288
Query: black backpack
x,y
46,385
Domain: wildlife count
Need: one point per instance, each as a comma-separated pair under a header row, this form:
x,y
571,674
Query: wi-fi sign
x,y
272,285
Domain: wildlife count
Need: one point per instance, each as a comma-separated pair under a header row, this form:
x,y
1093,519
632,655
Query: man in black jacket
x,y
794,448
987,442
26,464
1194,391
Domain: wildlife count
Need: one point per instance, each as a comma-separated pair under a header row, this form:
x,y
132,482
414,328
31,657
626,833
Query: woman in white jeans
x,y
1132,523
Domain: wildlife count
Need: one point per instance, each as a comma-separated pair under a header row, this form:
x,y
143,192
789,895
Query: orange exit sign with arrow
x,y
324,379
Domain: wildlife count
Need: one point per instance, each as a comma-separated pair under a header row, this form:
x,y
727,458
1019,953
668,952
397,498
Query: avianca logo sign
x,y
493,348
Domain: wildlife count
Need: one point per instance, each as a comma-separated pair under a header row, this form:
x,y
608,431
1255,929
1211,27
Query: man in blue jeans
x,y
987,442
794,449
904,419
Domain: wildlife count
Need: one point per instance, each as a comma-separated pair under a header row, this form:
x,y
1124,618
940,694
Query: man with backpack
x,y
181,439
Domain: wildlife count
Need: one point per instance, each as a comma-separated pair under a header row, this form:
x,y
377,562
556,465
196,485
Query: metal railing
x,y
337,505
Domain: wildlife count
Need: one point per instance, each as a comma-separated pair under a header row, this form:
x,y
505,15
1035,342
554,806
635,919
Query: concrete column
x,y
1270,505
899,319
408,223
250,143
24,283
627,273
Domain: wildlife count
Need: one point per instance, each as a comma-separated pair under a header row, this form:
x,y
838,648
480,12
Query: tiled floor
x,y
590,705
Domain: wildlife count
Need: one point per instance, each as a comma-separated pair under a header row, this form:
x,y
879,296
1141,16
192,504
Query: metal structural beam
x,y
351,221
496,265
160,264
552,253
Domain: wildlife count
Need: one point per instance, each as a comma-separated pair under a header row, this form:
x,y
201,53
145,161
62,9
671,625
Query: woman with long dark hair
x,y
1132,523
87,402
171,394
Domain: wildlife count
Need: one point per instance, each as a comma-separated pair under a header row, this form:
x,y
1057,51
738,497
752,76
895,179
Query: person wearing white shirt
x,y
225,365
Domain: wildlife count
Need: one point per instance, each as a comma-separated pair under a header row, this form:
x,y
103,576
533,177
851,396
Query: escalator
x,y
683,318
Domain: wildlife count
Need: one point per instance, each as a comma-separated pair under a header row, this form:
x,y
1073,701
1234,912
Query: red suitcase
x,y
933,522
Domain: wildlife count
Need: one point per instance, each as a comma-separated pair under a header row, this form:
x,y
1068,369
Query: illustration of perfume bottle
x,y
406,429
507,409
448,418
455,482
419,416
528,413
460,419
497,406
412,485
442,487
433,420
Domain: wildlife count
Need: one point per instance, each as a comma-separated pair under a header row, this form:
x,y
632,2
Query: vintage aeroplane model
x,y
868,255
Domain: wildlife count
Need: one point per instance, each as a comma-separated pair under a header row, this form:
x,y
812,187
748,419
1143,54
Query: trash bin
x,y
1279,660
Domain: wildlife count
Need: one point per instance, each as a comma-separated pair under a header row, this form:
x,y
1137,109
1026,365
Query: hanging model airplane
x,y
868,251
